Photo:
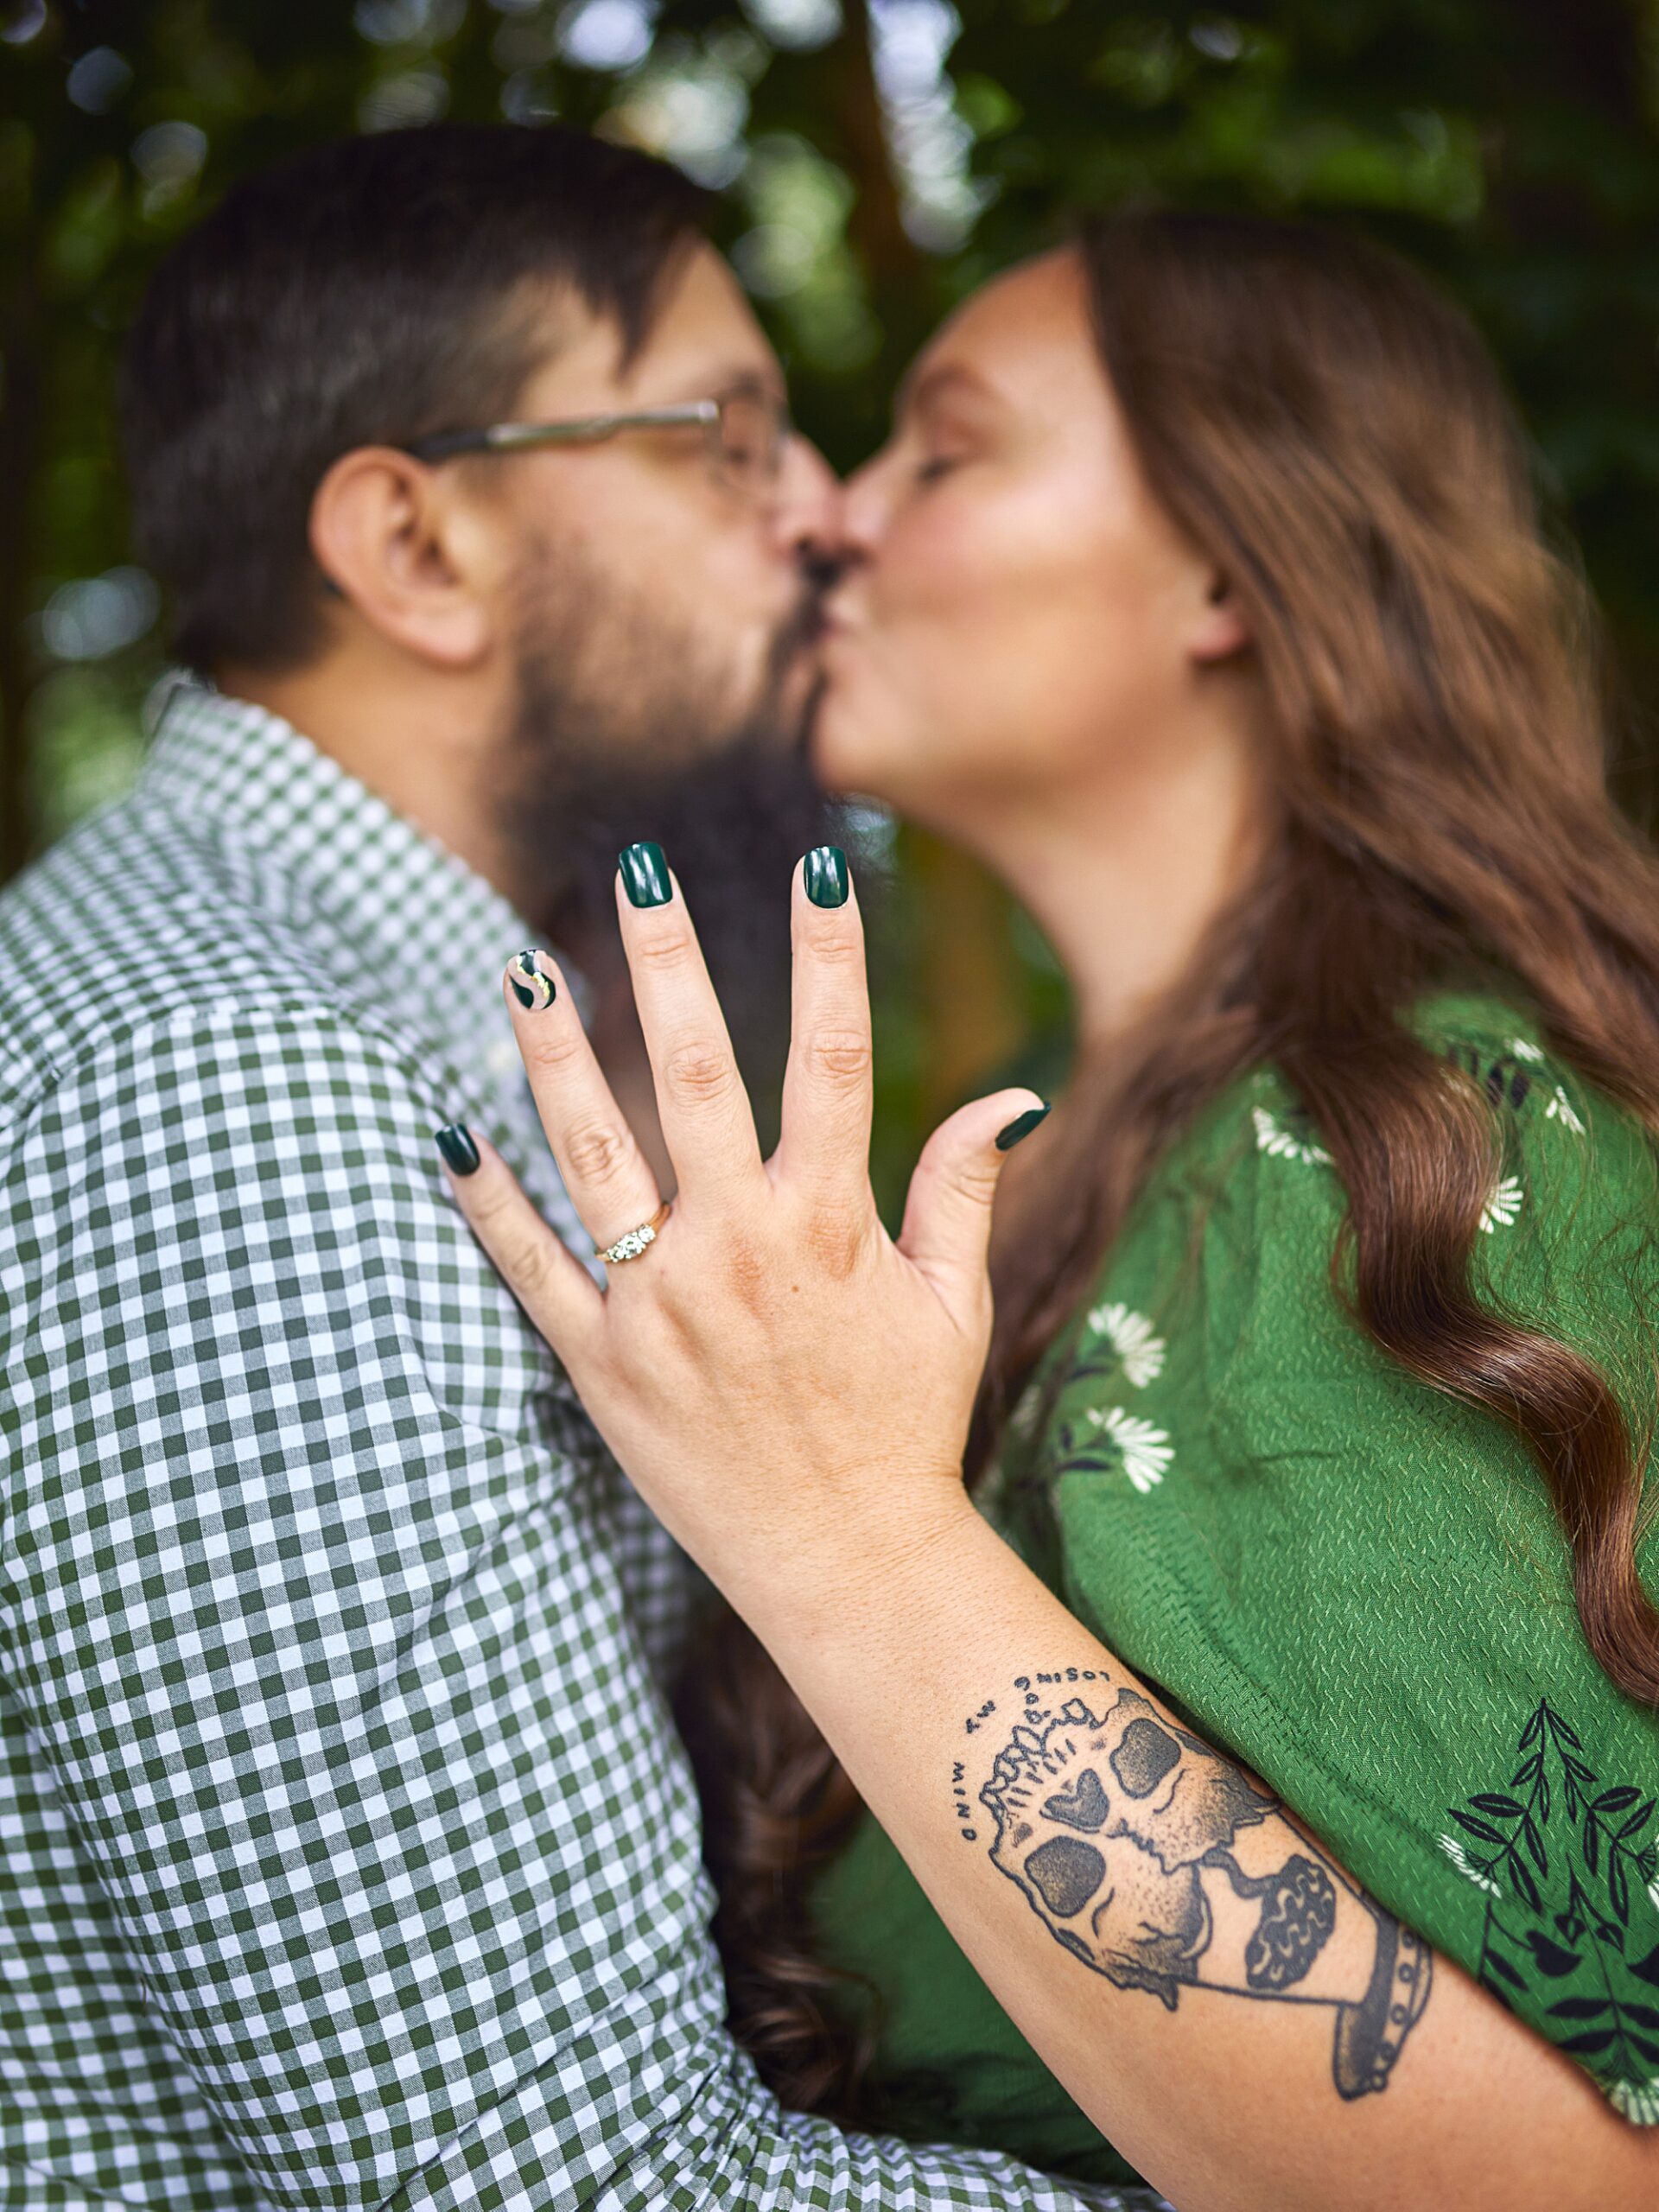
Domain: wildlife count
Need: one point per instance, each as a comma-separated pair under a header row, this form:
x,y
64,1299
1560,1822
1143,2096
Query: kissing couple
x,y
1166,1641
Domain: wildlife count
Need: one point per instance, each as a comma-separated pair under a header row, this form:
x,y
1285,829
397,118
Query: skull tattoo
x,y
1116,1831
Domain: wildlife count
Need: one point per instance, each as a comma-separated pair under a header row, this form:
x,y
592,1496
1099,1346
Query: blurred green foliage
x,y
881,157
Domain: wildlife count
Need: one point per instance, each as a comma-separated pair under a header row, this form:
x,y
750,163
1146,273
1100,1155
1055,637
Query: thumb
x,y
947,1228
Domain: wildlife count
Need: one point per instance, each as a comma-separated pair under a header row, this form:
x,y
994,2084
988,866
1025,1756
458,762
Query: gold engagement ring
x,y
630,1246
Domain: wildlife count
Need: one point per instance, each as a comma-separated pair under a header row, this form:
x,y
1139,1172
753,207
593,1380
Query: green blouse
x,y
1355,1584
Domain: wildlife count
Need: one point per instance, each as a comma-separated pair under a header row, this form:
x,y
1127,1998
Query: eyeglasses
x,y
745,434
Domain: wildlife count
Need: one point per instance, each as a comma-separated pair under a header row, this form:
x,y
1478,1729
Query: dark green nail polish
x,y
644,875
531,987
455,1143
826,876
1021,1126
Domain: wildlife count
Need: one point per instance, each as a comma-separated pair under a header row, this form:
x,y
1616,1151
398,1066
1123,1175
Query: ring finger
x,y
608,1177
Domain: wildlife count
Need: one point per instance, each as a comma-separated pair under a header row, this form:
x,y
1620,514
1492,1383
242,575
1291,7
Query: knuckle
x,y
665,949
598,1152
698,1072
747,1275
978,1182
835,1237
526,1265
552,1050
840,1057
839,942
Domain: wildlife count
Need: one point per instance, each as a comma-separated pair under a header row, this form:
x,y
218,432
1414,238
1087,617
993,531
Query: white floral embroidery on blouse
x,y
1501,1209
1130,1336
1145,1450
1558,1107
1271,1136
1466,1866
1637,2100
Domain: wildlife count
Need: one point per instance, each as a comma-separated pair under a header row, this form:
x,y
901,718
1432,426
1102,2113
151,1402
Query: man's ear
x,y
1220,629
386,533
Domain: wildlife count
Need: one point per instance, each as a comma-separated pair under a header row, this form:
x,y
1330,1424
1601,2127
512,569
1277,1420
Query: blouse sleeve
x,y
1358,1585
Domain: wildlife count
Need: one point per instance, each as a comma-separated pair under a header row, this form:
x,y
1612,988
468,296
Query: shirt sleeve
x,y
1358,1584
312,1617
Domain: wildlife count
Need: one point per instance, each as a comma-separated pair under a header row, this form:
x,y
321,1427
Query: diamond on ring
x,y
634,1242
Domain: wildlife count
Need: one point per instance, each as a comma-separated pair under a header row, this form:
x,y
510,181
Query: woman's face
x,y
1019,619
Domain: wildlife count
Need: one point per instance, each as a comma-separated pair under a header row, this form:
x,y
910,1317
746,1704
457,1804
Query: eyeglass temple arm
x,y
506,437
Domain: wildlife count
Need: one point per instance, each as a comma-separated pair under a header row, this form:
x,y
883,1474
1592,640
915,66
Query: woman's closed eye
x,y
938,465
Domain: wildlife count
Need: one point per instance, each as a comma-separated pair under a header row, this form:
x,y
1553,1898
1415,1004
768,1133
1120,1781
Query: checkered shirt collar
x,y
375,888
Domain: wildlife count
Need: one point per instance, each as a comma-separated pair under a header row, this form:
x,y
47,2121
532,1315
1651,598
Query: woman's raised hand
x,y
773,1367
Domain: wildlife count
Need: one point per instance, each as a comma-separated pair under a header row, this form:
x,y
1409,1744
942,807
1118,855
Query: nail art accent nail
x,y
826,876
644,875
1021,1126
454,1141
531,987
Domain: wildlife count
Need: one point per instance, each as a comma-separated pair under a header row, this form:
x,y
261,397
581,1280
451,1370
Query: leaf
x,y
1533,1730
1612,1800
1525,1773
1498,1964
1550,1957
1558,1728
1534,1844
1591,1846
1618,1888
1592,2040
1633,2009
1579,2008
1502,1808
1523,1881
1645,2044
1647,1969
1483,1829
1639,1818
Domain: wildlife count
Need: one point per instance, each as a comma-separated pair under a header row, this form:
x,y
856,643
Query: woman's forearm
x,y
1219,1997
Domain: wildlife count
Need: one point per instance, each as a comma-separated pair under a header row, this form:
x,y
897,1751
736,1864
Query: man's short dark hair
x,y
369,291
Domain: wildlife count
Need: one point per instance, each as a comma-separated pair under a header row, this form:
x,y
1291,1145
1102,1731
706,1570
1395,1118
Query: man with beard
x,y
348,1856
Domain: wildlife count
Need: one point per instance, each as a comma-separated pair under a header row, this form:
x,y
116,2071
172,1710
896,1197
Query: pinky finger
x,y
561,1298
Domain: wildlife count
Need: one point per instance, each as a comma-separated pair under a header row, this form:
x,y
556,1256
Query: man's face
x,y
679,607
663,629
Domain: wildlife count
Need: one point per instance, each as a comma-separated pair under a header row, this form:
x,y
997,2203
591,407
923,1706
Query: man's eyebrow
x,y
744,376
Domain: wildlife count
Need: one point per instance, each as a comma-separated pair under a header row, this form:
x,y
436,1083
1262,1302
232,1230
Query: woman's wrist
x,y
859,1553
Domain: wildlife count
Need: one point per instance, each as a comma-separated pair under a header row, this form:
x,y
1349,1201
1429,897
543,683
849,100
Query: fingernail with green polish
x,y
1021,1126
455,1142
531,987
826,876
644,875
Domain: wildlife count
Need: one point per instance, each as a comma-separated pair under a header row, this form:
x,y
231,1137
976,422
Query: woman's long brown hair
x,y
1333,435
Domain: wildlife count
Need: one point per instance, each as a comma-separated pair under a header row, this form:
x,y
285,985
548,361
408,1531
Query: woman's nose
x,y
862,510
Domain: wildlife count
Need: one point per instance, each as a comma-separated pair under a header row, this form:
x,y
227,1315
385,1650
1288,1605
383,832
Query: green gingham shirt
x,y
347,1856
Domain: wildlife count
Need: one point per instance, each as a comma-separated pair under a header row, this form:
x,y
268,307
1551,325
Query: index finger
x,y
708,1124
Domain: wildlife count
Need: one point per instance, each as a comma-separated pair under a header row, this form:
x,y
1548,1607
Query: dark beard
x,y
629,739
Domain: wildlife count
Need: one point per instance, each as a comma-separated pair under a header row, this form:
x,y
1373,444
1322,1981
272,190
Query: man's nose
x,y
807,516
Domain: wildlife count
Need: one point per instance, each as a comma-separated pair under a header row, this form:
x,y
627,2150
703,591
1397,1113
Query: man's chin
x,y
788,727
